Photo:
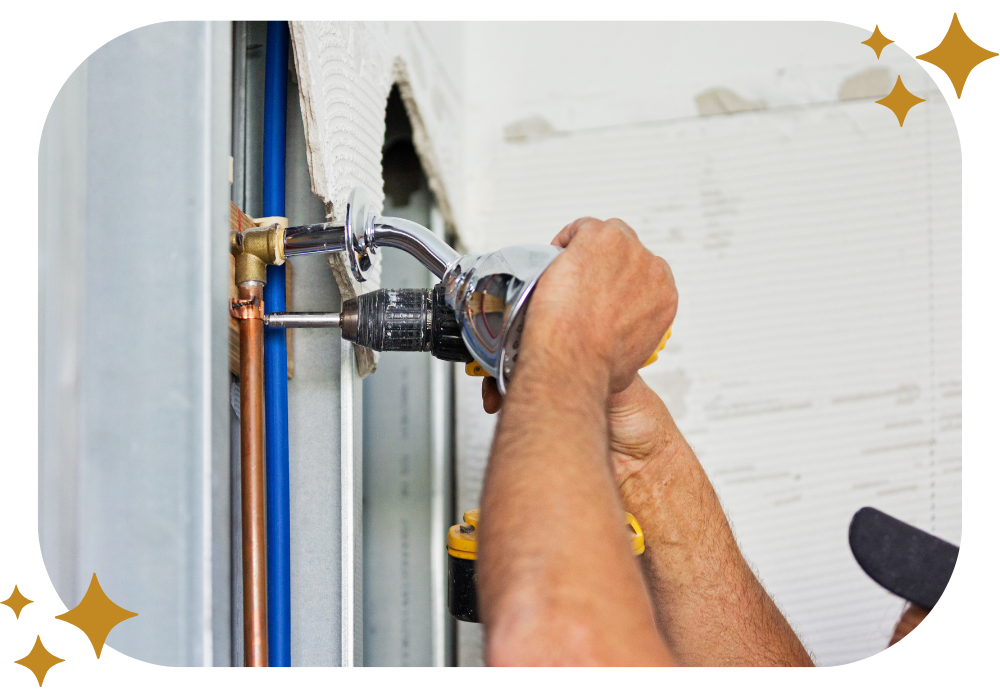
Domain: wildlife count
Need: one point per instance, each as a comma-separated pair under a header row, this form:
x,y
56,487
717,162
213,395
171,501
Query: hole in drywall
x,y
402,173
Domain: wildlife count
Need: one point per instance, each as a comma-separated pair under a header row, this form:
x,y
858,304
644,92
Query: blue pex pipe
x,y
279,599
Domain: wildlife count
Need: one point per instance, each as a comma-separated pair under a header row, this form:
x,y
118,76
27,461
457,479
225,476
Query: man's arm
x,y
557,581
710,607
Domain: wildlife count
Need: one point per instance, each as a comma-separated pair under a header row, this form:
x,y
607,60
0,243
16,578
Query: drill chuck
x,y
404,320
389,319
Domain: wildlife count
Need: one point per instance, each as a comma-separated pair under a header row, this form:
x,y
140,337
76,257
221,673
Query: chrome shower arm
x,y
410,237
363,231
327,237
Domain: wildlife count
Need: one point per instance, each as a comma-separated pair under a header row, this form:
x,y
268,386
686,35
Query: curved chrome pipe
x,y
410,237
363,231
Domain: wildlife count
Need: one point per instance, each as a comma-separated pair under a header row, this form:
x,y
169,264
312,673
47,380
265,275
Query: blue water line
x,y
279,599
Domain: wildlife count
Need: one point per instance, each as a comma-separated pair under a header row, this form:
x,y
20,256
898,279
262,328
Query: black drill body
x,y
405,320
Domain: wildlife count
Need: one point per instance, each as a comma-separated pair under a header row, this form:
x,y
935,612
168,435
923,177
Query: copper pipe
x,y
252,464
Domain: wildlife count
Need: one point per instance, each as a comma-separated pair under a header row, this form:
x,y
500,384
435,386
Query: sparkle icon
x,y
16,602
900,100
39,660
957,55
96,615
877,42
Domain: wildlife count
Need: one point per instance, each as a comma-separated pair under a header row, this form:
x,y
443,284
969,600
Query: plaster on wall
x,y
816,360
723,101
872,84
815,364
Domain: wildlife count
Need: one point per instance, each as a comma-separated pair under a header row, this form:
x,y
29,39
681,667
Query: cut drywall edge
x,y
422,144
344,78
345,71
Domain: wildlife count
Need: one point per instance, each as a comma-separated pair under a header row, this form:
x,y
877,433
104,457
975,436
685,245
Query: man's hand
x,y
609,284
610,294
637,427
557,581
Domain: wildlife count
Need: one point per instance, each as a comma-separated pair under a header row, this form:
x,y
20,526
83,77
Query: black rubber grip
x,y
396,320
405,320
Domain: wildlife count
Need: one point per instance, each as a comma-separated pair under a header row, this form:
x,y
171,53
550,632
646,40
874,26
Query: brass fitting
x,y
255,249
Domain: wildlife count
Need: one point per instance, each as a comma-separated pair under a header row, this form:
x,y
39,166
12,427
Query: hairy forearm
x,y
710,607
557,582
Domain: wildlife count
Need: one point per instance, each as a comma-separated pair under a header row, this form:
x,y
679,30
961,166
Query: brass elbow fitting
x,y
255,249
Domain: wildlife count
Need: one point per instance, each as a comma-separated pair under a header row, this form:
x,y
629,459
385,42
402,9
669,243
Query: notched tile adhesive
x,y
874,83
724,101
345,74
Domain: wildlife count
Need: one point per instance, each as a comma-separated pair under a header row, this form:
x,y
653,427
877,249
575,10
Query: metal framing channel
x,y
247,193
239,198
351,591
441,379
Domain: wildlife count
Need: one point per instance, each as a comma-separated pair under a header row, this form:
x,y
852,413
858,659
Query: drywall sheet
x,y
344,76
815,363
345,71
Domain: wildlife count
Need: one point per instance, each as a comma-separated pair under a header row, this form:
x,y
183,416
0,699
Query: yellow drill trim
x,y
463,539
656,353
636,538
462,544
459,554
474,369
471,517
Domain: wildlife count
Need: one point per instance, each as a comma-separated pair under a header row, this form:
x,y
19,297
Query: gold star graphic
x,y
957,55
16,602
877,42
96,615
39,661
900,100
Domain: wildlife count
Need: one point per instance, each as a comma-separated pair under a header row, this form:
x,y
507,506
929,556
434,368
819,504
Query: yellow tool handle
x,y
463,539
656,353
636,539
474,369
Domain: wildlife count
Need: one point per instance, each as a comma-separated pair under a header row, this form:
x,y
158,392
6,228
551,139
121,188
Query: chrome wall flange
x,y
360,231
